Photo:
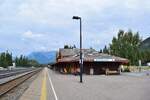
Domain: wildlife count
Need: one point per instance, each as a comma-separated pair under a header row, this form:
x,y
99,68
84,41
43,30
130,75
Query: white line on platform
x,y
56,98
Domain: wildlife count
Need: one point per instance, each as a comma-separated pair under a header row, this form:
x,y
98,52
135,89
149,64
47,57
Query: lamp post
x,y
81,59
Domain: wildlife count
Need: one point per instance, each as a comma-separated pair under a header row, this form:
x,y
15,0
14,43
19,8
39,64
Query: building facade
x,y
93,62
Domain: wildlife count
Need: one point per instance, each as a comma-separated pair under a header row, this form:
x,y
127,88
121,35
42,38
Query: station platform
x,y
50,85
39,89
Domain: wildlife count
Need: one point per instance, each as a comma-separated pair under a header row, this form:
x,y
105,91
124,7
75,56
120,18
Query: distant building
x,y
12,67
93,62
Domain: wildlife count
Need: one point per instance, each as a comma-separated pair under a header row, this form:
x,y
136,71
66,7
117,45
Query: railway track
x,y
9,73
11,84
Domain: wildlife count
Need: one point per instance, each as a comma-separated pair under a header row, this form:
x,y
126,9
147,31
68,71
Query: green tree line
x,y
69,47
127,45
6,60
23,61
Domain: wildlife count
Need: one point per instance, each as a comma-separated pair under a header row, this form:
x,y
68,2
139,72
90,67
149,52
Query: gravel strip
x,y
15,93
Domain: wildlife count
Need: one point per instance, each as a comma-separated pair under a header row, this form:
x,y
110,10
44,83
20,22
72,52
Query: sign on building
x,y
99,60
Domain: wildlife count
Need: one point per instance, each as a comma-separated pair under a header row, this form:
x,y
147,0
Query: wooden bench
x,y
110,72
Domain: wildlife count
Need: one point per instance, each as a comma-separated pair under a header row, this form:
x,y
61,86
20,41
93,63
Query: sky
x,y
45,25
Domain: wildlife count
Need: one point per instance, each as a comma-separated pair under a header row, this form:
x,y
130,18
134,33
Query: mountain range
x,y
43,57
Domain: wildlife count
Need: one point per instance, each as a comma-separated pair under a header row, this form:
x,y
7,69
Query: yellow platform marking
x,y
43,90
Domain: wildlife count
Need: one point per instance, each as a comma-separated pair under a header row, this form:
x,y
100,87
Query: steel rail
x,y
11,84
8,74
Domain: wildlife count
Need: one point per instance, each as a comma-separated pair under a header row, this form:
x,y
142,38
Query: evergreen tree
x,y
69,47
126,45
66,46
23,61
105,50
74,46
101,51
8,59
5,59
17,61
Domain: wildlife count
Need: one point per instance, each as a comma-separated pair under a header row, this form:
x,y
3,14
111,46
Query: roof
x,y
68,52
72,52
89,55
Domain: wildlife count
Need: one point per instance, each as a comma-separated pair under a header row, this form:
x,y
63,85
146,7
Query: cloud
x,y
48,24
29,34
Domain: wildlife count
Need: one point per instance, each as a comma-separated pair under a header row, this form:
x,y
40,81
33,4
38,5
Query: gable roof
x,y
89,55
72,52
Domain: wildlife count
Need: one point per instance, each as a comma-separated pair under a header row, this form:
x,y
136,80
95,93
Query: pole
x,y
81,59
139,65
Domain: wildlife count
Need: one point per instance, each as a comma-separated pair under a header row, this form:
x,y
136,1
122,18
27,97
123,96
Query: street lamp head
x,y
76,17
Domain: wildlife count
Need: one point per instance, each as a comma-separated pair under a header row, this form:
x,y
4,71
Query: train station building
x,y
93,62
